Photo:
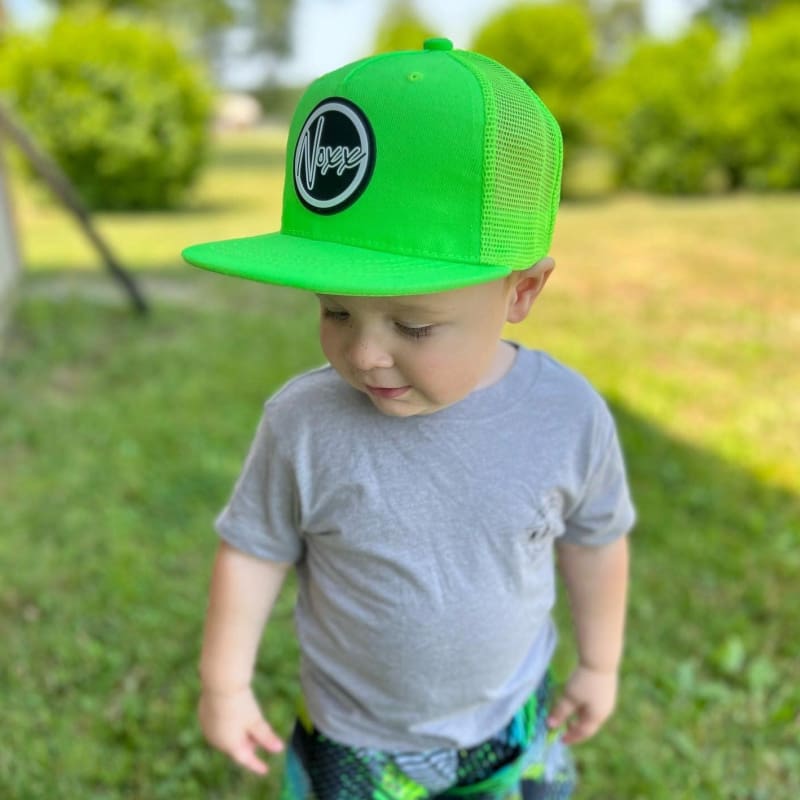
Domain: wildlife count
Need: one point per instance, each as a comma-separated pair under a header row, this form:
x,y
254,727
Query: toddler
x,y
423,482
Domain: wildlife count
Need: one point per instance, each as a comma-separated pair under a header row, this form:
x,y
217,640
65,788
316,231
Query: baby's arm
x,y
596,580
243,592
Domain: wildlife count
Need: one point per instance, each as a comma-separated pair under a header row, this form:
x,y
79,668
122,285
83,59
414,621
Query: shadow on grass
x,y
121,440
708,707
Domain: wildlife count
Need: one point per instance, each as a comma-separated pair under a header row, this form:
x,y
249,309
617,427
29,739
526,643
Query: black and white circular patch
x,y
334,156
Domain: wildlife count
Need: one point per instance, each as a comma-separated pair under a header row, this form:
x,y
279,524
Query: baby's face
x,y
417,354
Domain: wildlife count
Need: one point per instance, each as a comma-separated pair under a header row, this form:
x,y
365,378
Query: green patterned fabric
x,y
523,761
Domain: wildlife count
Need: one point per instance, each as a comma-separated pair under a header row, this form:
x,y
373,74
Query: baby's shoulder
x,y
568,398
560,380
307,389
306,383
312,395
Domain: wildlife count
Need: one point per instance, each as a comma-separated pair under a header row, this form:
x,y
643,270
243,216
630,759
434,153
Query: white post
x,y
9,254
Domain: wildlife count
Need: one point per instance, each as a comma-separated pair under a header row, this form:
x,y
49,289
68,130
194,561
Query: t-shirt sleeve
x,y
261,515
604,511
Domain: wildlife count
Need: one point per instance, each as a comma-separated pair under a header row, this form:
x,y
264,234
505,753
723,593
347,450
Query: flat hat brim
x,y
330,268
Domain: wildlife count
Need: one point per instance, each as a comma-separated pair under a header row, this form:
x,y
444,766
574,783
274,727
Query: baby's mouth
x,y
387,392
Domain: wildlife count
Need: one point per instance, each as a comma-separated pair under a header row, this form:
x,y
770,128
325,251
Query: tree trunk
x,y
9,255
63,189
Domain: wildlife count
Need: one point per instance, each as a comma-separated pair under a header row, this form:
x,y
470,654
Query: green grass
x,y
120,439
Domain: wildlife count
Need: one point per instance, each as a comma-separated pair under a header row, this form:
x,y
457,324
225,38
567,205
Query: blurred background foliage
x,y
715,110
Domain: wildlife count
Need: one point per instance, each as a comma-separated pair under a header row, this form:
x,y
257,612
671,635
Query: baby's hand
x,y
585,703
233,723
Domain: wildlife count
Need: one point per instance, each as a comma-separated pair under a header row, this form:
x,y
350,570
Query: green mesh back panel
x,y
522,169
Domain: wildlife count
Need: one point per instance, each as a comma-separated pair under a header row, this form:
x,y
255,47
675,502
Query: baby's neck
x,y
501,364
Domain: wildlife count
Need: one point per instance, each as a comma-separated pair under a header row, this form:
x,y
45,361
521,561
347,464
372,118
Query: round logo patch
x,y
334,156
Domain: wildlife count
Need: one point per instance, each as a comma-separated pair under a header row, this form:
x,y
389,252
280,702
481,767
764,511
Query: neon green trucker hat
x,y
408,173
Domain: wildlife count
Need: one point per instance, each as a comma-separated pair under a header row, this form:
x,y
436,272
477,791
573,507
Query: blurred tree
x,y
200,13
266,24
721,12
401,29
663,116
617,24
763,103
552,48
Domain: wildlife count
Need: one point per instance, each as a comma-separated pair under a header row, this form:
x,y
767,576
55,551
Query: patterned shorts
x,y
521,762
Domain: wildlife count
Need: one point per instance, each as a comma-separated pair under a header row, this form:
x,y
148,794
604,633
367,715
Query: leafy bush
x,y
115,104
662,115
764,103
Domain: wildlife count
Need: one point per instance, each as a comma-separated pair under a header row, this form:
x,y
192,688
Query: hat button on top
x,y
438,44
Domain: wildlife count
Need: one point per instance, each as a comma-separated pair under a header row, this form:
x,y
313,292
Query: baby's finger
x,y
263,734
246,757
561,712
582,727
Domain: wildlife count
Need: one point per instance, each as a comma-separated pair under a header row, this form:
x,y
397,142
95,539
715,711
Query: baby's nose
x,y
367,352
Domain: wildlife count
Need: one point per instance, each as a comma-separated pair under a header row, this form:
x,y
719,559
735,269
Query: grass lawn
x,y
121,437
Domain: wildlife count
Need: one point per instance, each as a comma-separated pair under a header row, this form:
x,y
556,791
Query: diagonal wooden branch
x,y
63,189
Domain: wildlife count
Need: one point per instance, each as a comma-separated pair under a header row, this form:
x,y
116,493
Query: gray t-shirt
x,y
424,545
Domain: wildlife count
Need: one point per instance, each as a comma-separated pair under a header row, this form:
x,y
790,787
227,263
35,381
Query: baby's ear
x,y
528,284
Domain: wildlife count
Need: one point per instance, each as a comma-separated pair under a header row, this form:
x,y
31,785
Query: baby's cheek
x,y
331,344
445,387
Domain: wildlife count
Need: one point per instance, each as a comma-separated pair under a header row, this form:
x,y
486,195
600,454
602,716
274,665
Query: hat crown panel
x,y
425,194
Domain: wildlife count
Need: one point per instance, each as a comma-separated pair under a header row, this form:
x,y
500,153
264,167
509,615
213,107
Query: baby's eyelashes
x,y
414,331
